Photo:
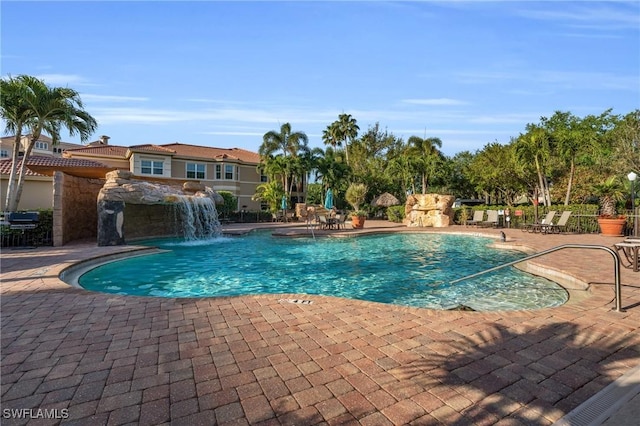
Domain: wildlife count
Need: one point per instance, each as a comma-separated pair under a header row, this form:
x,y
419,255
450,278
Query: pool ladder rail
x,y
616,266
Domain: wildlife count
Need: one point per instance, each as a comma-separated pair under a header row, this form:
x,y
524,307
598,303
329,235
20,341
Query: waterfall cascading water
x,y
199,218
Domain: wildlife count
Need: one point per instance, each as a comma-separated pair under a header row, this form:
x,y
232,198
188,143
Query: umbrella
x,y
385,200
328,201
283,203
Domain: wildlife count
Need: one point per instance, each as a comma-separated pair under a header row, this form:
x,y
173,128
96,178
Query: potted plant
x,y
610,192
355,195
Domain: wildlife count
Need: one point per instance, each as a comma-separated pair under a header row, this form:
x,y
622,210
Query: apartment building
x,y
224,169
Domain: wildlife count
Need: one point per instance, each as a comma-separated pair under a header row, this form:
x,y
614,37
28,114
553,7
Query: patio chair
x,y
560,226
478,217
629,252
492,219
540,226
324,223
341,221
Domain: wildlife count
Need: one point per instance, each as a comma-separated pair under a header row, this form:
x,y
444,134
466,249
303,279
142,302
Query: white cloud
x,y
111,98
62,79
434,101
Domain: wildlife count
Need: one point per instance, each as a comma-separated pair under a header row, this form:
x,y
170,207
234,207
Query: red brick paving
x,y
255,360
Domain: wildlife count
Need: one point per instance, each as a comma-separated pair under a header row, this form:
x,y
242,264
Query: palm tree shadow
x,y
530,376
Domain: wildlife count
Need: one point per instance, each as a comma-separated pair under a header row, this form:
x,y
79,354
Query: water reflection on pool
x,y
401,268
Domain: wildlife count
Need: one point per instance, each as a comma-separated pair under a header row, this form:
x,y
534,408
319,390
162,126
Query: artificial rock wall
x,y
432,210
75,215
141,208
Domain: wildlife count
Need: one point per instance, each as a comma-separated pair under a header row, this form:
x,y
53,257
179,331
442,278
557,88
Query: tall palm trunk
x,y
23,171
542,183
13,177
572,172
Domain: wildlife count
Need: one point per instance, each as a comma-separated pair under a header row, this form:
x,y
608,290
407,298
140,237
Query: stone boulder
x,y
121,186
432,210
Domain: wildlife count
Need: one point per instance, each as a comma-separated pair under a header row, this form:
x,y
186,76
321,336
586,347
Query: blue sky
x,y
224,73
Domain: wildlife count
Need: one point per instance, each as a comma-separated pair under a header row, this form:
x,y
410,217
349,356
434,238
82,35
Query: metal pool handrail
x,y
616,266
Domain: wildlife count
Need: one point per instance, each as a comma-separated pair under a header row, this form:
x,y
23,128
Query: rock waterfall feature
x,y
136,208
432,210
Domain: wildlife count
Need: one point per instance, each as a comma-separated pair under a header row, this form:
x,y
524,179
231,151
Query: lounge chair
x,y
492,219
560,226
629,251
540,226
478,217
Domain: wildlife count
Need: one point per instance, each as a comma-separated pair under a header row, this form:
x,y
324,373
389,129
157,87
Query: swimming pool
x,y
410,269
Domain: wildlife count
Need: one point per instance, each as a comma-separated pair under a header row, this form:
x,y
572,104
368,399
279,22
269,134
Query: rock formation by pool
x,y
137,208
432,210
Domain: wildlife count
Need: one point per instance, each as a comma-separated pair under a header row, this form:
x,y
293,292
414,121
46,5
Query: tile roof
x,y
210,152
151,148
49,162
103,150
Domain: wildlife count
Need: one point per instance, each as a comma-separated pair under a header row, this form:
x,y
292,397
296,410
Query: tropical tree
x,y
459,174
564,129
286,141
626,138
609,193
330,136
30,107
270,193
533,148
399,171
425,156
332,170
495,170
343,130
283,148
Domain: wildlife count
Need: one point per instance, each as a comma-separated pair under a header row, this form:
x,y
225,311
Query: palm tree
x,y
30,106
609,192
284,147
533,147
425,155
270,193
330,135
344,129
332,170
288,142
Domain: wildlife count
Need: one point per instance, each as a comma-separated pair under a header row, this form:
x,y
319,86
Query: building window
x,y
4,153
195,171
228,172
43,146
218,171
150,167
263,178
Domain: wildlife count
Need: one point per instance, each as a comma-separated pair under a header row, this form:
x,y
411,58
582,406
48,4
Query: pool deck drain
x,y
111,359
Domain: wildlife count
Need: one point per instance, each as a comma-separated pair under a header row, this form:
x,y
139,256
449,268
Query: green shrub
x,y
395,214
230,205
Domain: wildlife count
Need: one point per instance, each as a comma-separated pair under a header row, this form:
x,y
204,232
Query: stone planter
x,y
357,222
612,227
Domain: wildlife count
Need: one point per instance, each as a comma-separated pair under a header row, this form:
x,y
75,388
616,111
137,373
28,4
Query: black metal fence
x,y
38,236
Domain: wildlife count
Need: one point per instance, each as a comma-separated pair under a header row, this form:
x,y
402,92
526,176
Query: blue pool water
x,y
403,269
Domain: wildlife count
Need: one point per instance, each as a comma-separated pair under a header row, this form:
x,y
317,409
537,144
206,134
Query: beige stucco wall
x,y
135,164
75,211
37,193
243,187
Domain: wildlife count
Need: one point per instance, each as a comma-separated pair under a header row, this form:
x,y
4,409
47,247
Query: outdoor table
x,y
635,248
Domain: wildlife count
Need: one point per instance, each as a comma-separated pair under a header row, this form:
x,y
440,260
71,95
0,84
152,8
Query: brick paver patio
x,y
101,359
